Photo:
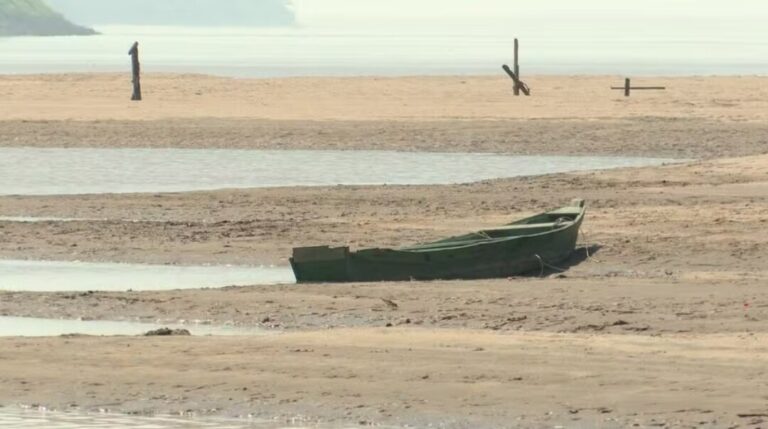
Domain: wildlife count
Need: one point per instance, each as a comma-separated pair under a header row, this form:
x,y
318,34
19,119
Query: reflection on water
x,y
43,276
29,419
34,171
34,327
33,219
42,219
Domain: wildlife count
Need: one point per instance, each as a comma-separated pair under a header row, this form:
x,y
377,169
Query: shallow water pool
x,y
35,419
35,219
51,171
49,276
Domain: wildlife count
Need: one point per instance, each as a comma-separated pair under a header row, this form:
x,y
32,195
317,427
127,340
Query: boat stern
x,y
320,264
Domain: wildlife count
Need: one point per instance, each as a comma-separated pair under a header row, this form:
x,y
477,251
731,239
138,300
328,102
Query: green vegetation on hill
x,y
35,18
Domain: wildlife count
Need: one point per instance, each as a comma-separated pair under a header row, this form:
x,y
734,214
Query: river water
x,y
558,42
50,276
34,419
45,171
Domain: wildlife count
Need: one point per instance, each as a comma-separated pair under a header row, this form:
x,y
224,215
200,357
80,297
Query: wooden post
x,y
134,53
514,73
628,88
517,68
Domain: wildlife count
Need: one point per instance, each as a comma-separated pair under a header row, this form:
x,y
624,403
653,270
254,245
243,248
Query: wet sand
x,y
689,138
689,218
730,303
656,321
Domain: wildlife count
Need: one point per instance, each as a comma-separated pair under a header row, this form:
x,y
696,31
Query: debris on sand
x,y
392,305
168,332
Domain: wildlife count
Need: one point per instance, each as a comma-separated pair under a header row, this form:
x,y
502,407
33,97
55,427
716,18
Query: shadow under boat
x,y
580,255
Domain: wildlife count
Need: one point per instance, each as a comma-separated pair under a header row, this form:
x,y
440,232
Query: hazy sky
x,y
574,23
463,8
536,12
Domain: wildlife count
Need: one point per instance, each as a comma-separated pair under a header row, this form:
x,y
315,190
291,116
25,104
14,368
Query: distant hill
x,y
246,13
35,18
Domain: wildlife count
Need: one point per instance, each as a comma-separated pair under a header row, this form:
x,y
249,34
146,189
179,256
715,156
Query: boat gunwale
x,y
576,221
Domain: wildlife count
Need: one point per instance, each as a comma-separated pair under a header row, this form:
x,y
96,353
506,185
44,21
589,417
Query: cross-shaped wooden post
x,y
628,88
520,86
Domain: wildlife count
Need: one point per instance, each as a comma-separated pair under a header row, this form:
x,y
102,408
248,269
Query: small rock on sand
x,y
167,332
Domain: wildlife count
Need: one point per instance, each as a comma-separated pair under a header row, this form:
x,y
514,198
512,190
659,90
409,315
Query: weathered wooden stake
x,y
627,87
514,74
517,68
134,53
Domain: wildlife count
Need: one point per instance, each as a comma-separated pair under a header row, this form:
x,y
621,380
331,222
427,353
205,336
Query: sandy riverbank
x,y
101,97
701,117
661,325
450,378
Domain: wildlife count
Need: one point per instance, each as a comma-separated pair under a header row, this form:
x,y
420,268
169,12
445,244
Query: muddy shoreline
x,y
645,220
680,138
557,304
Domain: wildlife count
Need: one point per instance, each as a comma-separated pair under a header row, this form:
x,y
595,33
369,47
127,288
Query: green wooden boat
x,y
517,248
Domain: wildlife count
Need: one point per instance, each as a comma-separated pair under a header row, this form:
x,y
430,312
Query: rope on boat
x,y
543,265
484,235
586,246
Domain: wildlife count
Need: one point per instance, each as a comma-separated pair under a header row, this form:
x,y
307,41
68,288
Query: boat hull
x,y
495,258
